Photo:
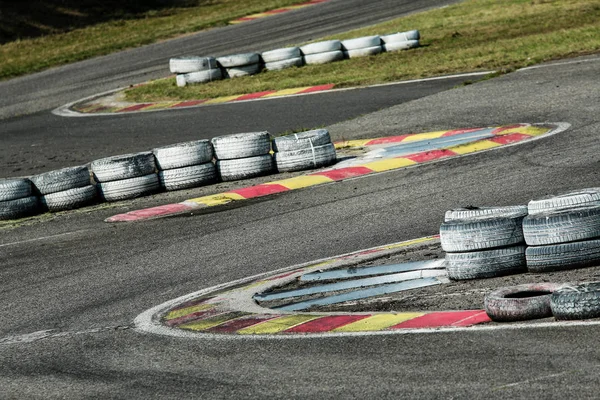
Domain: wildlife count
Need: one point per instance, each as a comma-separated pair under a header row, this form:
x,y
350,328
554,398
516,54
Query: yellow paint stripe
x,y
389,164
409,243
217,199
473,147
188,310
352,143
223,99
528,130
277,325
377,322
424,136
286,92
301,181
208,323
161,105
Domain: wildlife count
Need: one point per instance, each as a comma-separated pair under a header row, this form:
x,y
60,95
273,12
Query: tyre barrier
x,y
521,302
305,150
197,69
580,301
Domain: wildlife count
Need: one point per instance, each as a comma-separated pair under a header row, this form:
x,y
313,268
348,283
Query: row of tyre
x,y
179,166
194,69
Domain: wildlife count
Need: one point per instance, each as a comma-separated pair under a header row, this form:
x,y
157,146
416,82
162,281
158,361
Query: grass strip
x,y
474,35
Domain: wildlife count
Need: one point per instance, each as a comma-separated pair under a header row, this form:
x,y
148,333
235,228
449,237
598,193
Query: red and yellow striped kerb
x,y
275,12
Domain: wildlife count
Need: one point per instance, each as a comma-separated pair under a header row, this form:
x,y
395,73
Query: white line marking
x,y
558,64
43,238
528,381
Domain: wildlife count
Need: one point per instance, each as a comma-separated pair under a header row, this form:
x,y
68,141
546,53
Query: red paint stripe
x,y
475,319
505,128
431,155
278,11
146,213
192,317
136,107
344,173
240,323
391,139
325,324
438,319
247,19
460,131
257,95
260,190
188,103
510,138
317,88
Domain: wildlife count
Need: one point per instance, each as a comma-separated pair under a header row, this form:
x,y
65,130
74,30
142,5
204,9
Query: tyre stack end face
x,y
573,302
243,155
520,303
304,150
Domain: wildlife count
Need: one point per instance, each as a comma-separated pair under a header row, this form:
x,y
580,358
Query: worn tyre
x,y
397,46
361,43
188,177
245,168
129,188
579,198
281,54
366,52
321,47
477,212
520,303
486,263
563,256
61,180
298,160
199,77
237,60
183,154
576,301
123,167
301,140
572,225
323,58
69,199
242,145
15,188
401,37
19,208
283,64
480,233
244,70
184,65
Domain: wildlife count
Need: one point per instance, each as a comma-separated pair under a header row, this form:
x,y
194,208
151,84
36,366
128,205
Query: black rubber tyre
x,y
576,302
61,180
183,154
245,168
486,263
301,140
16,188
19,208
480,233
242,145
188,177
477,212
311,158
580,198
69,199
563,256
571,225
520,303
121,167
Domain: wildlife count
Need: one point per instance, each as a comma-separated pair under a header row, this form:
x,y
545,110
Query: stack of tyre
x,y
305,150
483,242
194,69
17,199
362,47
322,52
279,59
185,165
243,155
125,176
400,41
65,189
237,65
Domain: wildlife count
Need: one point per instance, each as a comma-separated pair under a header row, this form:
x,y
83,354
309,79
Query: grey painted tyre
x,y
365,52
245,168
301,140
243,70
576,302
397,46
401,37
321,47
520,303
129,188
572,225
69,199
188,177
563,256
123,167
283,64
486,263
19,208
323,58
242,145
584,197
15,188
237,60
310,158
61,180
183,154
281,54
474,212
361,43
184,65
480,233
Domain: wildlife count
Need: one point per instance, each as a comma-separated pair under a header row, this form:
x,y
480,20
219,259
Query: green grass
x,y
30,55
475,35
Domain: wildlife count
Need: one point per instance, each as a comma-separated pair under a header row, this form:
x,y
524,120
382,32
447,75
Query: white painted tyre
x,y
188,177
184,65
19,208
237,60
476,212
245,168
480,233
242,145
321,47
281,54
121,167
367,51
555,257
579,198
283,64
183,154
323,58
14,188
361,43
69,199
397,46
180,80
61,180
298,160
199,77
579,223
301,140
129,188
401,37
244,70
485,263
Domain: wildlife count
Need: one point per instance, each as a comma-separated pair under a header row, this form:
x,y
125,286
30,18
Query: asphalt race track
x,y
72,285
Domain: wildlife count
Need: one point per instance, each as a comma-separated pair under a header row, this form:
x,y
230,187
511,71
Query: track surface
x,y
87,280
